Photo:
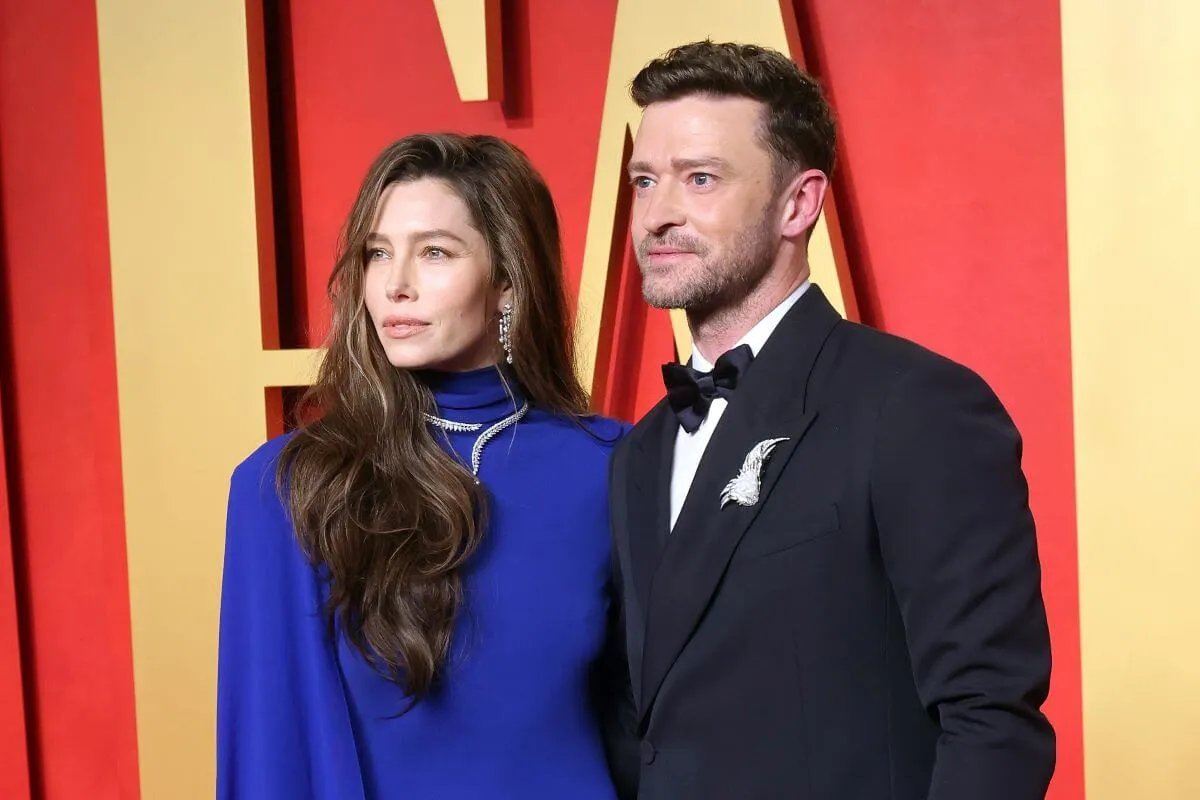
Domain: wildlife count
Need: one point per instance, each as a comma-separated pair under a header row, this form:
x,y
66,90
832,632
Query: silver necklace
x,y
484,438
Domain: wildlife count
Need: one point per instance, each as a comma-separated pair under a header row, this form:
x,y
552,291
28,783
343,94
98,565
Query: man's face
x,y
703,221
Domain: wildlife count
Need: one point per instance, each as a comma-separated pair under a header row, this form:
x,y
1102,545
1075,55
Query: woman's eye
x,y
376,254
435,253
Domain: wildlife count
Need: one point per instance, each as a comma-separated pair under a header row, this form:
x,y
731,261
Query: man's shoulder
x,y
637,433
890,357
909,379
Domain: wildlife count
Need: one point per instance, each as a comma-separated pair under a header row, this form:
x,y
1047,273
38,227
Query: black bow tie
x,y
690,392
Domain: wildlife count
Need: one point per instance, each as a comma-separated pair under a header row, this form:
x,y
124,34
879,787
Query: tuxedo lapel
x,y
649,507
768,404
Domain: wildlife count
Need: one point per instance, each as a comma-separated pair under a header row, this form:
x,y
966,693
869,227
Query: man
x,y
827,561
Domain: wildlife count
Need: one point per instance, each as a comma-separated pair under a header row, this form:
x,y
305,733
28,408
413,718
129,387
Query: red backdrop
x,y
952,201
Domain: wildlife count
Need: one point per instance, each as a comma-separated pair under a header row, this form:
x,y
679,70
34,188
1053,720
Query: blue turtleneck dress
x,y
302,715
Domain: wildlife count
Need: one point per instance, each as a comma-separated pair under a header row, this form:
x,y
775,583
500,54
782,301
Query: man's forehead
x,y
697,129
700,112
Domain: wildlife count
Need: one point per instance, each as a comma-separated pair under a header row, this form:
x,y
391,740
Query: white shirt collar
x,y
757,336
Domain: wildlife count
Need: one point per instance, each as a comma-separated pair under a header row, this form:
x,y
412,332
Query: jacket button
x,y
648,752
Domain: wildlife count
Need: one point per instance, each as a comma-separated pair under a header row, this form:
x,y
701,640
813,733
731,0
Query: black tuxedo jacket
x,y
872,628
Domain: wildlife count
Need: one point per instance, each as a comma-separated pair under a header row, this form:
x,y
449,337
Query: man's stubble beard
x,y
716,281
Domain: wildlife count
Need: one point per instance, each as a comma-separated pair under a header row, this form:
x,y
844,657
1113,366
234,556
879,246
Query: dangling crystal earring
x,y
505,327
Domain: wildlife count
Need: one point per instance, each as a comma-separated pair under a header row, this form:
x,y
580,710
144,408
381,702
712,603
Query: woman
x,y
416,585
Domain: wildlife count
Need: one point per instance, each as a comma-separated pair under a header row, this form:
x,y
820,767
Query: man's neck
x,y
717,331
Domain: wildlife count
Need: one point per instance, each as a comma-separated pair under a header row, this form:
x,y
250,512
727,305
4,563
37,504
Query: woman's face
x,y
428,283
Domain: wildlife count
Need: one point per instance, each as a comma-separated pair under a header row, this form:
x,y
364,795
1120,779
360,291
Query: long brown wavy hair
x,y
388,515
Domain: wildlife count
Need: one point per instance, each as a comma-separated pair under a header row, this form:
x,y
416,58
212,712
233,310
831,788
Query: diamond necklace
x,y
484,438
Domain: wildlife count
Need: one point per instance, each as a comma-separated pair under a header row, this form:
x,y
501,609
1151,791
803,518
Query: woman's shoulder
x,y
255,479
607,430
595,430
262,460
264,562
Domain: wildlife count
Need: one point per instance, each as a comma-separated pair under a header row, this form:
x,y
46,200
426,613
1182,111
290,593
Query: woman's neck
x,y
481,395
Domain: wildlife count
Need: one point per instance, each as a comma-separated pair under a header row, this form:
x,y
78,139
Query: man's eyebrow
x,y
710,162
681,164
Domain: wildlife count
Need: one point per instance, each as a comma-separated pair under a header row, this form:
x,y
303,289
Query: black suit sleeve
x,y
958,543
613,692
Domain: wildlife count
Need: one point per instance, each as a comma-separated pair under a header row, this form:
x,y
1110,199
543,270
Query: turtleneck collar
x,y
482,395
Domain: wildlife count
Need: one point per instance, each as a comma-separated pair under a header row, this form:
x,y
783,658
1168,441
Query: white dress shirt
x,y
689,447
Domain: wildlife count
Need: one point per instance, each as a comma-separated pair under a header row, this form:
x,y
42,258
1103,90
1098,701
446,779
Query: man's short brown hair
x,y
799,129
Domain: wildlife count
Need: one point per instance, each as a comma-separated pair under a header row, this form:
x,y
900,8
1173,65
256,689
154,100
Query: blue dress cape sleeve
x,y
283,726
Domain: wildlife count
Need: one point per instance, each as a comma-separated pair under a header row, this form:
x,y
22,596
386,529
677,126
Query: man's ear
x,y
803,203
